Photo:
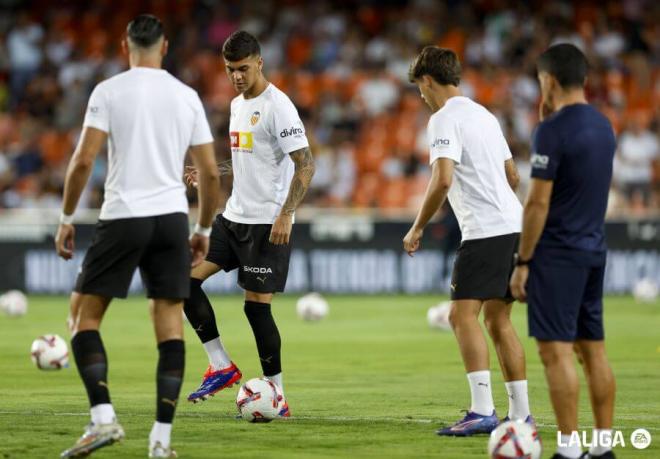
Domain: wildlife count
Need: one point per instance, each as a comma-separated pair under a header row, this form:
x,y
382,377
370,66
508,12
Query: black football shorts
x,y
157,245
483,268
263,267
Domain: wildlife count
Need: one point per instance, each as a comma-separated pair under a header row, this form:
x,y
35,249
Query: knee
x,y
255,297
462,316
494,324
74,313
552,355
591,355
86,319
497,317
84,324
453,316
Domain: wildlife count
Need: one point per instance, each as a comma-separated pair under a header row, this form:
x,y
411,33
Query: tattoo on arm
x,y
304,162
225,167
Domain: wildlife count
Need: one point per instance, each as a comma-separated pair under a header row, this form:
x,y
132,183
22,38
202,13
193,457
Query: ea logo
x,y
641,438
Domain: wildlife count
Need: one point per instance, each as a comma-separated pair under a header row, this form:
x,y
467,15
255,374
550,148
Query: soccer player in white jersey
x,y
472,166
272,167
149,120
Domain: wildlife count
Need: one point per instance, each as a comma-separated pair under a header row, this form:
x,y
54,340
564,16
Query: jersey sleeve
x,y
287,127
98,110
504,148
444,139
546,154
201,133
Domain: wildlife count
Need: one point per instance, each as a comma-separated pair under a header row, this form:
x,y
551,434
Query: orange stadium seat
x,y
55,147
393,194
367,190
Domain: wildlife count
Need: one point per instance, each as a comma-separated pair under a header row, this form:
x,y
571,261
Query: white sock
x,y
599,449
482,397
518,400
160,432
277,379
572,452
218,357
103,413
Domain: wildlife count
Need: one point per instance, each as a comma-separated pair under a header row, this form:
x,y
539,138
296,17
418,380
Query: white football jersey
x,y
262,131
151,119
480,195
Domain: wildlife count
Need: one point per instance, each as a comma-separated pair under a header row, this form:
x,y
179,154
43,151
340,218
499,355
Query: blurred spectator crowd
x,y
345,66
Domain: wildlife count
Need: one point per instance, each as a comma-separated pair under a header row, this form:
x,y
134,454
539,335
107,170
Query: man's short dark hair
x,y
145,30
439,63
240,45
566,63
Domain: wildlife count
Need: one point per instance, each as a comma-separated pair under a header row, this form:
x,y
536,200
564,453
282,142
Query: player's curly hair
x,y
144,31
240,45
440,63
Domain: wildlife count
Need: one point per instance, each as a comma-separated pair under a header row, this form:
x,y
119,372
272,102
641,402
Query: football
x,y
645,290
438,316
50,352
14,303
514,439
259,400
312,307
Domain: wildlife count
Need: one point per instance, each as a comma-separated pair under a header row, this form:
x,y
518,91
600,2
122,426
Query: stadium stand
x,y
345,66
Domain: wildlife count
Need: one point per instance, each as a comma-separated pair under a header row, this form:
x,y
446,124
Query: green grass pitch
x,y
371,380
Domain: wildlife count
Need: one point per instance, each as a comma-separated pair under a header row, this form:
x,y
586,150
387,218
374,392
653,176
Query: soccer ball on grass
x,y
514,440
438,316
312,307
259,400
50,352
14,303
645,290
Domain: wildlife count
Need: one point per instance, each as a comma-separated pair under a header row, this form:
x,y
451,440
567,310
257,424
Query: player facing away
x,y
149,120
561,258
471,165
272,167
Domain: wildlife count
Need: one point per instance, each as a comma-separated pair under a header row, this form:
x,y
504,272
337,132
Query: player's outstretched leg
x,y
169,373
221,372
481,418
92,363
511,355
258,312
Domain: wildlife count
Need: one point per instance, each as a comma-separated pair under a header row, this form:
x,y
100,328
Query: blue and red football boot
x,y
216,380
472,424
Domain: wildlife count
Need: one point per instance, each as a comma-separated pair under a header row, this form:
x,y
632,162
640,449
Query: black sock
x,y
200,313
267,336
92,364
171,362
